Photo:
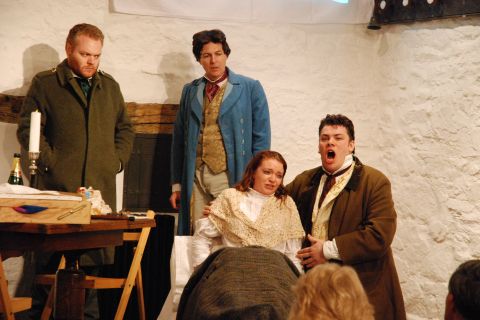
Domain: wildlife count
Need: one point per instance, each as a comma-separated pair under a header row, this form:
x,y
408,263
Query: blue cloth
x,y
244,122
29,209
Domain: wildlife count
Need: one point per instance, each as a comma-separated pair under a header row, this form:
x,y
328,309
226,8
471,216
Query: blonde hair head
x,y
330,291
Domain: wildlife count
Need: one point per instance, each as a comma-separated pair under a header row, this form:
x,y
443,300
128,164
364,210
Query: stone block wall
x,y
412,91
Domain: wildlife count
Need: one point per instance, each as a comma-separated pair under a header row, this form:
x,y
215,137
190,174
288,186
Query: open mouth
x,y
330,154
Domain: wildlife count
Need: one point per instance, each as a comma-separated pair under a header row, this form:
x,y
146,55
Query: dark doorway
x,y
147,175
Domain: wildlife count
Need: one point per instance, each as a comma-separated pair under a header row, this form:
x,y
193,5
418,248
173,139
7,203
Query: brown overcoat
x,y
84,141
363,223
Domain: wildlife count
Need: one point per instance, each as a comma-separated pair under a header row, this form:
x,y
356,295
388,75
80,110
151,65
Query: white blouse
x,y
207,237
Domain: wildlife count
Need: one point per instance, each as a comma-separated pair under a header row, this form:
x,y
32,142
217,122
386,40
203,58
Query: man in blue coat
x,y
222,122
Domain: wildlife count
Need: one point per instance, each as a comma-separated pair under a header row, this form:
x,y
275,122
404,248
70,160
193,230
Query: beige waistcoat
x,y
210,149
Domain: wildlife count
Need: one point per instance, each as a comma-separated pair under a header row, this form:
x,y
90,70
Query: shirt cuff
x,y
176,187
330,250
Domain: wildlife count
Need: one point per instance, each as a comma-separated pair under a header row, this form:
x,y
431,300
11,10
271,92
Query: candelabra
x,y
33,157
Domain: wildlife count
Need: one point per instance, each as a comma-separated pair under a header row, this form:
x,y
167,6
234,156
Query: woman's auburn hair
x,y
248,176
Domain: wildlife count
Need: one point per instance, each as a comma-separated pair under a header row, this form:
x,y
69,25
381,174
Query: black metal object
x,y
147,175
398,11
69,289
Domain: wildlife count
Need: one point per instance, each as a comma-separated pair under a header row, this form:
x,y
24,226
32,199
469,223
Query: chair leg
x,y
140,297
48,309
132,274
4,296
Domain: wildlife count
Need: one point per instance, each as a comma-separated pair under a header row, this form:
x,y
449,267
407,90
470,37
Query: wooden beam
x,y
10,108
152,118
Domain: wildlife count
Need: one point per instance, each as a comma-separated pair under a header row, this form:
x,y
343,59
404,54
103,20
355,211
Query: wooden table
x,y
100,233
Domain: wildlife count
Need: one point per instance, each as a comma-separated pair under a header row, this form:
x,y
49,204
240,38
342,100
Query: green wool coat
x,y
83,142
363,223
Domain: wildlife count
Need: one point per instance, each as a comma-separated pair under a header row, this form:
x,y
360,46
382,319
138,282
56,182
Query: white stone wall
x,y
411,90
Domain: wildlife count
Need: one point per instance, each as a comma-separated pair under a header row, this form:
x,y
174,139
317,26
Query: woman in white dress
x,y
257,212
257,230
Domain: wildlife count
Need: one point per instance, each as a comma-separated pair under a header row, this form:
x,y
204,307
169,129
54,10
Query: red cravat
x,y
211,88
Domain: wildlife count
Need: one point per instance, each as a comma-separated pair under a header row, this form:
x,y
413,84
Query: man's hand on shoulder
x,y
207,209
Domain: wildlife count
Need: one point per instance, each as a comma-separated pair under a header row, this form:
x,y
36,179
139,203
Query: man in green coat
x,y
347,212
86,135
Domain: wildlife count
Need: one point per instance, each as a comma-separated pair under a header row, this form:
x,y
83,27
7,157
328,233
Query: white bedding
x,y
180,271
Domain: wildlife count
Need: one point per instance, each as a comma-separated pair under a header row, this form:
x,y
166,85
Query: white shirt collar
x,y
220,84
254,193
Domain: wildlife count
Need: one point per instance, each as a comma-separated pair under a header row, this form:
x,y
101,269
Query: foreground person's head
x,y
330,291
463,299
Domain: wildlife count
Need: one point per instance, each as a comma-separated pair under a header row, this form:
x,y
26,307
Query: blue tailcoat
x,y
244,124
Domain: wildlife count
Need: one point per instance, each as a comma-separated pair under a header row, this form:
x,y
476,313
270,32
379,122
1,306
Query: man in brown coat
x,y
86,135
347,211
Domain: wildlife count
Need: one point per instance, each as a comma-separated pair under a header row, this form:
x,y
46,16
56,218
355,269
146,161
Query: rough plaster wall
x,y
412,92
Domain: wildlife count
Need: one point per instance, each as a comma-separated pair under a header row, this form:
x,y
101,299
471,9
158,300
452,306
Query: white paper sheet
x,y
11,191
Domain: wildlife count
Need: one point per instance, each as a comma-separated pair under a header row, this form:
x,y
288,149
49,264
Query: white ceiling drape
x,y
257,11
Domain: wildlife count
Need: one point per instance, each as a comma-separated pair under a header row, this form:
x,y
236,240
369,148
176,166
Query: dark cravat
x,y
211,88
329,183
85,85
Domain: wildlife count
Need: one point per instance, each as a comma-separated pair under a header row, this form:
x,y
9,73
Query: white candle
x,y
34,143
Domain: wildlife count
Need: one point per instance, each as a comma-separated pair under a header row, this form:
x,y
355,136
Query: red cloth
x,y
211,88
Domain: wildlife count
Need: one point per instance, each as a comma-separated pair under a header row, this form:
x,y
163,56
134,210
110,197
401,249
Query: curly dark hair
x,y
203,37
254,163
84,29
338,120
464,285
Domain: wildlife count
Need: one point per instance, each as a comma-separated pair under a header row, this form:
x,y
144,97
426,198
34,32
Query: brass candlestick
x,y
33,157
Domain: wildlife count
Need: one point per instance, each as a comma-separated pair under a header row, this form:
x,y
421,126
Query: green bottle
x,y
16,173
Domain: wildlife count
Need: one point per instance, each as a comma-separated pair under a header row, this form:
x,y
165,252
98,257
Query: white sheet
x,y
181,269
257,11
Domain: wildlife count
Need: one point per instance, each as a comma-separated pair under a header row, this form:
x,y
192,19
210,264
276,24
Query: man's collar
x,y
352,183
77,76
90,80
216,81
346,163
